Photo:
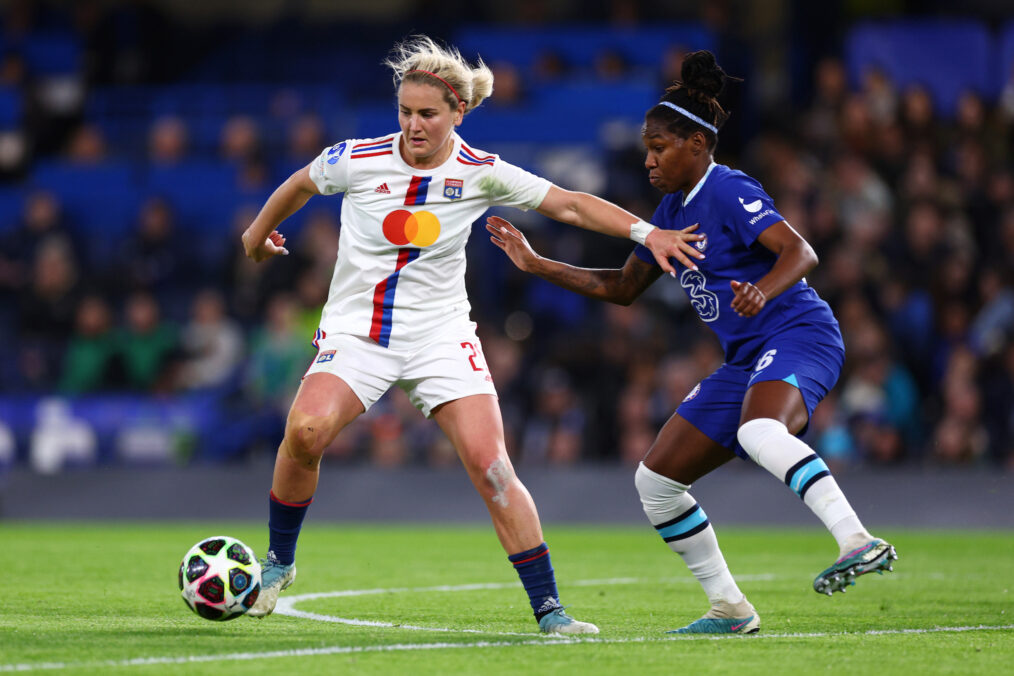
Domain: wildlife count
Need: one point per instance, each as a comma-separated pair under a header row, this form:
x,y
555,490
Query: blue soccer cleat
x,y
559,622
875,555
274,578
725,618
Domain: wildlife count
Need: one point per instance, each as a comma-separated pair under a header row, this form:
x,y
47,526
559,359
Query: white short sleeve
x,y
330,171
511,186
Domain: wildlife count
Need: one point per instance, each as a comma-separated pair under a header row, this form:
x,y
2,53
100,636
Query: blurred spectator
x,y
820,126
997,382
510,90
211,344
240,140
918,120
41,222
610,66
87,145
880,96
154,257
993,324
91,362
880,398
279,355
554,432
305,137
550,66
148,347
46,313
168,140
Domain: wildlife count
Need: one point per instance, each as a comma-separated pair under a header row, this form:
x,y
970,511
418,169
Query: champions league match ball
x,y
220,578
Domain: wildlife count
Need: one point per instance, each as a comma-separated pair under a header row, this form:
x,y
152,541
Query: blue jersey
x,y
732,210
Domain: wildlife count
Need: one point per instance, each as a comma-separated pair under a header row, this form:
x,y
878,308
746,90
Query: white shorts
x,y
450,367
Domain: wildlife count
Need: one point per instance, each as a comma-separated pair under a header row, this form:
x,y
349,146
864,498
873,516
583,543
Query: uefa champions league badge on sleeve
x,y
453,188
335,152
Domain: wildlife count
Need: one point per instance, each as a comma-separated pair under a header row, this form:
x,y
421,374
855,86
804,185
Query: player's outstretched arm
x,y
261,240
593,213
621,286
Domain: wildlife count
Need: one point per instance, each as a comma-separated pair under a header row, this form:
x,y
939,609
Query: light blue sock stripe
x,y
804,473
685,525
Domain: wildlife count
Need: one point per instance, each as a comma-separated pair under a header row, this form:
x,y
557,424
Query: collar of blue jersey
x,y
700,183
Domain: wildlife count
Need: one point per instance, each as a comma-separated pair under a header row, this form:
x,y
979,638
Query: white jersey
x,y
400,275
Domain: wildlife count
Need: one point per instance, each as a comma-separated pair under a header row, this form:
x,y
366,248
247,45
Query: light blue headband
x,y
687,113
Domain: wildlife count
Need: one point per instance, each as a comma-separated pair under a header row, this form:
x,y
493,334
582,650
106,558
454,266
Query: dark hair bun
x,y
702,73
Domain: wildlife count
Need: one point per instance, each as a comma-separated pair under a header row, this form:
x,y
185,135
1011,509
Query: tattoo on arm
x,y
620,286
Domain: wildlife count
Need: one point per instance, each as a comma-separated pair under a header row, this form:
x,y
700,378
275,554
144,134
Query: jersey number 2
x,y
473,353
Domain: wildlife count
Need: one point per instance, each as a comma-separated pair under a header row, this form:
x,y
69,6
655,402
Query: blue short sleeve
x,y
748,209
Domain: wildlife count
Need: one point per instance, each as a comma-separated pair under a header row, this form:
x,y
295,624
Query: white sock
x,y
685,527
771,446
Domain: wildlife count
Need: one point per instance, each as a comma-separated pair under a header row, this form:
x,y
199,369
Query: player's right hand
x,y
274,245
514,244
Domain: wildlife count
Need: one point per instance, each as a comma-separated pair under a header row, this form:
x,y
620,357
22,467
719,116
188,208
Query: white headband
x,y
687,113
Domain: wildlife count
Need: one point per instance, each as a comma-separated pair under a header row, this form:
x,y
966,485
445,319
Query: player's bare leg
x,y
475,428
680,455
773,412
323,406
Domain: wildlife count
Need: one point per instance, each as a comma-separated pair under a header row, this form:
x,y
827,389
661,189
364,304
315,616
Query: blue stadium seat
x,y
580,45
1005,63
628,99
100,199
53,54
201,193
12,201
946,57
10,108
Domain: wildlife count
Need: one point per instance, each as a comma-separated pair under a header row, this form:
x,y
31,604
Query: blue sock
x,y
536,573
284,521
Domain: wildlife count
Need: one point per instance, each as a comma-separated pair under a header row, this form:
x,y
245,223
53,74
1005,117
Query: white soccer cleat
x,y
559,622
274,578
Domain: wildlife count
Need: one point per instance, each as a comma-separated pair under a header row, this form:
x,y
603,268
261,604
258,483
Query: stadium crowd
x,y
910,210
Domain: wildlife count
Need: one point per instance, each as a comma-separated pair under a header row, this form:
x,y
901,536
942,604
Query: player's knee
x,y
498,476
754,435
660,495
306,436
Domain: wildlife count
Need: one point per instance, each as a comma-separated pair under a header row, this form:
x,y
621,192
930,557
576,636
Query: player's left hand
x,y
512,241
749,300
678,244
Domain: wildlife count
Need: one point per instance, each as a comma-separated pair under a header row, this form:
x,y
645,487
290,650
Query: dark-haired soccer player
x,y
783,348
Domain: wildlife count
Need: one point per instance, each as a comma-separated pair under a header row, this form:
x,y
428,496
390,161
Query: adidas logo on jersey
x,y
382,188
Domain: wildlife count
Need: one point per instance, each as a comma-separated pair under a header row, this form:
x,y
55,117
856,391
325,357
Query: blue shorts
x,y
715,404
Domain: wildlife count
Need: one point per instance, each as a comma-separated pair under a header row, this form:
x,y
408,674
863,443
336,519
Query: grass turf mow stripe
x,y
286,606
400,647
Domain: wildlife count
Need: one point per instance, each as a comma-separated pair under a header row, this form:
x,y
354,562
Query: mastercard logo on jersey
x,y
402,227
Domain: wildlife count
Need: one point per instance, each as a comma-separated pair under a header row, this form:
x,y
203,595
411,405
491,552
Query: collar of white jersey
x,y
700,184
416,170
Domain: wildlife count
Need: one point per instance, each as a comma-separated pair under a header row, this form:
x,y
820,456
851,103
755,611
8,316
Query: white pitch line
x,y
286,605
400,647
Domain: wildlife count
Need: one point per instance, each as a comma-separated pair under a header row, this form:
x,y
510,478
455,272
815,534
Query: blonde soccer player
x,y
398,314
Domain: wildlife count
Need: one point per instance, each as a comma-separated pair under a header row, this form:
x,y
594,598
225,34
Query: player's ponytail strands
x,y
691,104
420,59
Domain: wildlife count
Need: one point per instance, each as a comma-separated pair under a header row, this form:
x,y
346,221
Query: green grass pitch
x,y
102,598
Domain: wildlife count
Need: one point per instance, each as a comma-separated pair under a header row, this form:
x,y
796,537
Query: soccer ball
x,y
220,578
